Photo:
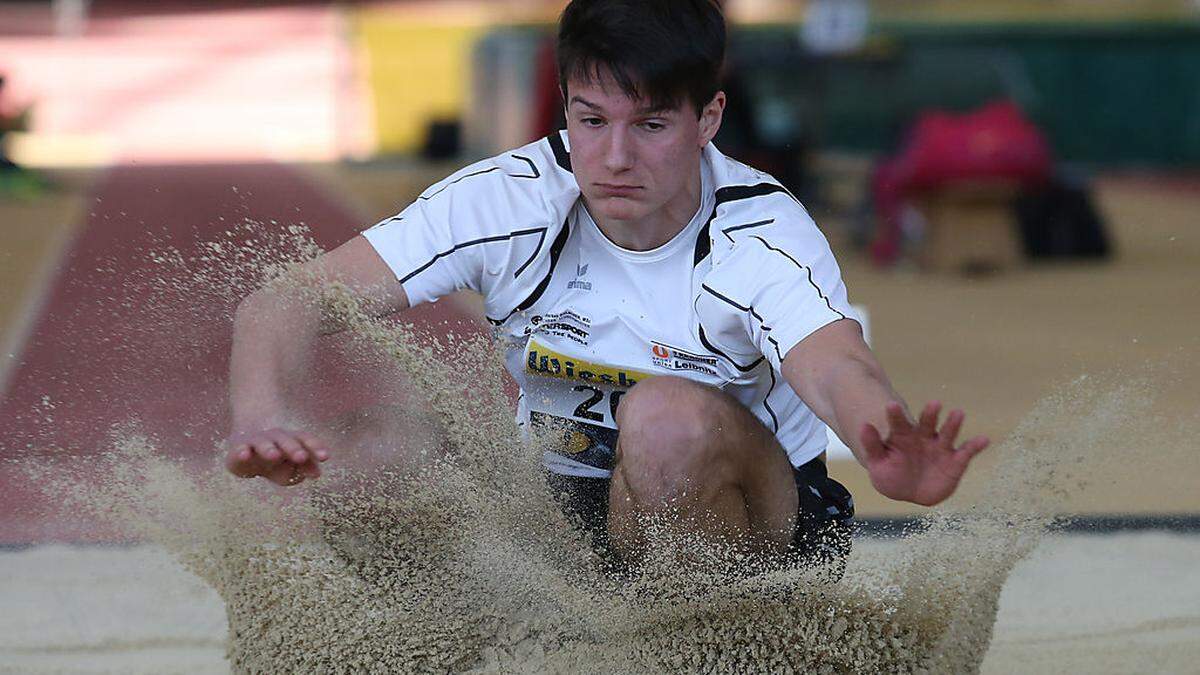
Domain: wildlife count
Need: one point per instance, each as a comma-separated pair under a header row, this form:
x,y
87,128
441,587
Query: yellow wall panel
x,y
418,69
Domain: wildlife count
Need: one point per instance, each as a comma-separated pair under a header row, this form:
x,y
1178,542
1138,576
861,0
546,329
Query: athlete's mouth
x,y
617,190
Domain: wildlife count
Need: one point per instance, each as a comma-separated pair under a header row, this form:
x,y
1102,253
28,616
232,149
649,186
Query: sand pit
x,y
1114,603
103,609
1120,603
457,560
451,557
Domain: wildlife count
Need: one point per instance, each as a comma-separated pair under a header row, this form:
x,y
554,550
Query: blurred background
x,y
1011,186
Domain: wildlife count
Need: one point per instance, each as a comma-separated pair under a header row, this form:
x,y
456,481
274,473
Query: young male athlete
x,y
678,310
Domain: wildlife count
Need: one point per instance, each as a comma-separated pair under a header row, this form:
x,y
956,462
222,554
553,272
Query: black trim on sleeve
x,y
703,243
473,242
747,226
808,270
761,321
767,404
766,329
537,250
561,156
734,193
710,347
775,344
725,299
393,219
460,178
731,193
532,167
556,250
749,309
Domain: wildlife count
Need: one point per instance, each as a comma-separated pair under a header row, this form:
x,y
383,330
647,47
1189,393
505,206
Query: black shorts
x,y
823,519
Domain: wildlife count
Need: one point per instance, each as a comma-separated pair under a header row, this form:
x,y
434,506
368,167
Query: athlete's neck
x,y
655,228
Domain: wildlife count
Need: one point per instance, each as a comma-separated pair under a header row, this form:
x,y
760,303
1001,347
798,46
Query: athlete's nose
x,y
618,155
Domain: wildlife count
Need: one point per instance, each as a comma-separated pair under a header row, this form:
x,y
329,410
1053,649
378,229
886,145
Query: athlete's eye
x,y
591,121
653,126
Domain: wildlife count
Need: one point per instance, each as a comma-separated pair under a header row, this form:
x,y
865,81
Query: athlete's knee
x,y
671,426
672,407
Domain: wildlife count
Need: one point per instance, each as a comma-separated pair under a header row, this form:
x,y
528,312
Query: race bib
x,y
574,389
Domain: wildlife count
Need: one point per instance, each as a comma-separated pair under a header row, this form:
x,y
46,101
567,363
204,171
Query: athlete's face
x,y
634,164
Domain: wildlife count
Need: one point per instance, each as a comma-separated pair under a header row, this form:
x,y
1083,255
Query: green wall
x,y
1105,94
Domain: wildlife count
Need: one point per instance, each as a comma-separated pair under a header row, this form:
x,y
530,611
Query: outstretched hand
x,y
918,463
282,456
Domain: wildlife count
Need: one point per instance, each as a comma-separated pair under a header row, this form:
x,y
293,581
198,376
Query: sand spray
x,y
433,543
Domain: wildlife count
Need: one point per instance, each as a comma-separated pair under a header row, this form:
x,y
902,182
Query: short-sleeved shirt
x,y
583,319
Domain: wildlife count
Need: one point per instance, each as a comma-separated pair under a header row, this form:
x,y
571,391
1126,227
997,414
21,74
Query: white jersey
x,y
584,319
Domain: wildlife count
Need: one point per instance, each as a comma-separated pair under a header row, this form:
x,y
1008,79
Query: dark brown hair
x,y
663,50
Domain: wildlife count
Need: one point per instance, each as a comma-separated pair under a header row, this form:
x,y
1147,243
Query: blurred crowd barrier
x,y
1106,93
1107,81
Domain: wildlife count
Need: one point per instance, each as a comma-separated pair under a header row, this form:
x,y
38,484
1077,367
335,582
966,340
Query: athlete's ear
x,y
710,118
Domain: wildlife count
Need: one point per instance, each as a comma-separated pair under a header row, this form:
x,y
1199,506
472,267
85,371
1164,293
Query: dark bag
x,y
1059,219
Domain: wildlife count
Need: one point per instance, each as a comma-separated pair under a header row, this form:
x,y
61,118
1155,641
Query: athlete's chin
x,y
620,208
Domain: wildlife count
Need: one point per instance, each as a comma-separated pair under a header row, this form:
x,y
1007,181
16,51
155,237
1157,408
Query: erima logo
x,y
580,270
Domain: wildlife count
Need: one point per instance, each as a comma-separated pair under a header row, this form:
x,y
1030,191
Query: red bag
x,y
995,142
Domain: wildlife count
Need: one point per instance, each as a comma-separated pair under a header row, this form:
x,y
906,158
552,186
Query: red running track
x,y
111,345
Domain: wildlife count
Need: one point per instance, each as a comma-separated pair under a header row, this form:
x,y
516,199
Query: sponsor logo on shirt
x,y
578,283
674,358
564,324
541,360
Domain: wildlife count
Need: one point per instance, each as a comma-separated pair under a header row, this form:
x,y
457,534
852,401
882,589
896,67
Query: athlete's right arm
x,y
273,334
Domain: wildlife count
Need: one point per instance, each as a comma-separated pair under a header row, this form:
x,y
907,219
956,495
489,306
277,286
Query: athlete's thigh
x,y
768,483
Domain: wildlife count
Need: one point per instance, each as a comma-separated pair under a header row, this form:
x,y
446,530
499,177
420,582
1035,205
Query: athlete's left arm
x,y
838,377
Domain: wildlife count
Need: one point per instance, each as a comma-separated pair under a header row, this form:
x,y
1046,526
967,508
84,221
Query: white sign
x,y
835,26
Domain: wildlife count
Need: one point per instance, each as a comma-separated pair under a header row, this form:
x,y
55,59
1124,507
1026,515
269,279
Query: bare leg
x,y
693,448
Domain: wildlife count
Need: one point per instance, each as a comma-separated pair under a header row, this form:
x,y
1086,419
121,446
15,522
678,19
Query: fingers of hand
x,y
872,442
951,428
252,458
288,473
973,447
309,469
284,457
927,426
316,452
283,473
289,444
315,445
238,461
297,453
898,422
